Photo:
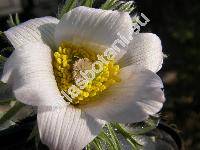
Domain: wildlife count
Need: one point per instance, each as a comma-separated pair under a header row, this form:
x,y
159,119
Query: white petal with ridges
x,y
67,128
34,30
96,26
29,72
137,96
145,50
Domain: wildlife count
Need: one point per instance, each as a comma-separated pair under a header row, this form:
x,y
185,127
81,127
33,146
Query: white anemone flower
x,y
47,52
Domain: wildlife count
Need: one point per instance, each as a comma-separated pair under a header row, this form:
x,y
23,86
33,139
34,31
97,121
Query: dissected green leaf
x,y
127,6
35,135
11,112
10,21
97,144
1,34
118,5
13,21
2,61
87,3
88,147
5,102
17,20
114,137
104,137
104,140
69,4
143,127
110,138
127,135
109,4
5,93
7,50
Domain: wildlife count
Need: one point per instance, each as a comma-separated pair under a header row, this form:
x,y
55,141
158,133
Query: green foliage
x,y
2,61
11,112
112,135
1,34
4,49
35,135
7,50
5,93
108,5
142,127
118,5
69,4
127,135
111,4
127,6
87,3
111,138
13,21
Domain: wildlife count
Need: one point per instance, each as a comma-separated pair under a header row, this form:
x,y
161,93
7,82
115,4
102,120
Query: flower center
x,y
69,60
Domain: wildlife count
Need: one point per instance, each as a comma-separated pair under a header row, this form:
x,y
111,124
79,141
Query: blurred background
x,y
176,22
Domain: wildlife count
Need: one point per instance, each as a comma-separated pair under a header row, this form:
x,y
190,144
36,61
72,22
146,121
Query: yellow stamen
x,y
69,55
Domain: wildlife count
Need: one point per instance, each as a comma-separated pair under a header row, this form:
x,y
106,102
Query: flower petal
x,y
30,74
136,97
67,128
34,30
144,50
91,25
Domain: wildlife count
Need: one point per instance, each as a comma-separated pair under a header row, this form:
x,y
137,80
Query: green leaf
x,y
2,61
5,93
5,102
7,50
35,135
88,147
143,127
127,135
132,144
114,137
118,5
97,144
1,34
104,137
13,22
69,4
109,138
11,112
127,7
106,141
10,21
87,3
17,20
109,4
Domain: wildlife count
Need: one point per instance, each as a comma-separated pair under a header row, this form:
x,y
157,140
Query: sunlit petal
x,y
67,128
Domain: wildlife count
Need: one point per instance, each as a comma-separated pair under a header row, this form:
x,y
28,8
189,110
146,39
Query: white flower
x,y
30,72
